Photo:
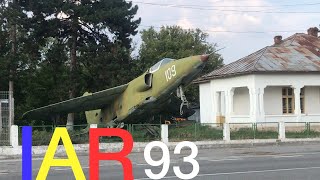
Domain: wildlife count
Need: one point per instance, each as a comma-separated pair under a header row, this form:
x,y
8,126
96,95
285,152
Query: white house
x,y
277,83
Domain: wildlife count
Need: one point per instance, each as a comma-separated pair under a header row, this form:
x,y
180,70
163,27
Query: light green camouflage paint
x,y
137,91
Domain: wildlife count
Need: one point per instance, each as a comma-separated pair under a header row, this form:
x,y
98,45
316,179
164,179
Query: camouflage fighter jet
x,y
128,103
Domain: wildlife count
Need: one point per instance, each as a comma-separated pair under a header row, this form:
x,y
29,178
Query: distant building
x,y
196,116
4,112
277,83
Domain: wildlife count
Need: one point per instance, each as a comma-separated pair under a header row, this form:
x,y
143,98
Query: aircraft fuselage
x,y
150,89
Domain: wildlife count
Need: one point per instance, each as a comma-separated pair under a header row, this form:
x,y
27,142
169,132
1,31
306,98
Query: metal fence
x,y
41,135
184,132
240,131
302,129
195,132
4,118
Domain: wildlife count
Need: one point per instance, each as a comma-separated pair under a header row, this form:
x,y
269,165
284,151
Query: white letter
x,y
165,160
169,74
190,159
173,70
166,74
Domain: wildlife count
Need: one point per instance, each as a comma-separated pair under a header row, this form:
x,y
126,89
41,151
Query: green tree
x,y
175,42
85,27
18,50
104,69
47,83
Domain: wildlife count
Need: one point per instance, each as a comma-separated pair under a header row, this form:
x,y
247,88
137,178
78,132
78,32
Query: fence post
x,y
93,126
0,119
226,131
14,136
195,131
282,131
308,129
254,125
10,108
164,133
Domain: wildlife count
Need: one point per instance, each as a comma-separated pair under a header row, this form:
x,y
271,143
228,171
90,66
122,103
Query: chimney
x,y
277,40
313,31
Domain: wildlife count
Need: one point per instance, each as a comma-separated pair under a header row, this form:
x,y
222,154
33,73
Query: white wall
x,y
279,118
241,101
273,96
263,80
273,100
272,85
224,84
207,114
312,100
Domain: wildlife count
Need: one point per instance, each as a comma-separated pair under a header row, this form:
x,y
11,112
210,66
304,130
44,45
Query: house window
x,y
302,105
288,100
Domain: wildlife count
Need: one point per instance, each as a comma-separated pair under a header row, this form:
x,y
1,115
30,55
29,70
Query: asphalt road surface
x,y
285,162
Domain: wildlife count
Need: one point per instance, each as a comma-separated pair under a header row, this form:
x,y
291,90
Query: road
x,y
285,162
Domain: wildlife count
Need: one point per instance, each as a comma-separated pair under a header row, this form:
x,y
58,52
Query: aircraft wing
x,y
92,101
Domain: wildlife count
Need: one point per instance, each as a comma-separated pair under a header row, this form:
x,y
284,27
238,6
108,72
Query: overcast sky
x,y
242,26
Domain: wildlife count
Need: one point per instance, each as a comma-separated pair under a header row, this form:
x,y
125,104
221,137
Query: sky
x,y
241,26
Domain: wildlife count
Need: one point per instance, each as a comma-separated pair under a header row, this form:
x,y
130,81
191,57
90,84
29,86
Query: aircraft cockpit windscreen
x,y
157,66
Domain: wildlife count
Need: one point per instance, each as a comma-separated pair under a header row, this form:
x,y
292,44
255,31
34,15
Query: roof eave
x,y
208,79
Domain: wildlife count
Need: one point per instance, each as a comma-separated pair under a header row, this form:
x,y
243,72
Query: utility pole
x,y
73,67
0,119
13,38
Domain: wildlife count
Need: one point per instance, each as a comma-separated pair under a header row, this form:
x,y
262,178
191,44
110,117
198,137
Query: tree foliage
x,y
17,48
65,47
86,27
55,50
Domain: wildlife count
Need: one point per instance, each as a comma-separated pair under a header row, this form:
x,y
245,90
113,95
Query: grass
x,y
249,133
194,132
303,134
141,133
43,135
4,137
209,133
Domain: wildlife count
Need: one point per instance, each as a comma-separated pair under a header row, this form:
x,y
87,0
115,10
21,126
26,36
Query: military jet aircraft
x,y
129,102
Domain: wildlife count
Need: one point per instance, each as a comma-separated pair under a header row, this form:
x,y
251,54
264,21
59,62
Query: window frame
x,y
292,96
302,100
286,96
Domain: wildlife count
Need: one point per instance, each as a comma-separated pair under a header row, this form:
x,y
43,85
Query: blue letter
x,y
26,153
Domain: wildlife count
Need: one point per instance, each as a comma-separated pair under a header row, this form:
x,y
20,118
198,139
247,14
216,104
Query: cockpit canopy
x,y
157,66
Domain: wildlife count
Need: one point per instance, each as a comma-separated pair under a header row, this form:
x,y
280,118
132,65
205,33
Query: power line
x,y
197,7
247,6
237,32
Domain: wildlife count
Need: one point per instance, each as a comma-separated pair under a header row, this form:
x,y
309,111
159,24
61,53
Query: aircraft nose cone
x,y
204,58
